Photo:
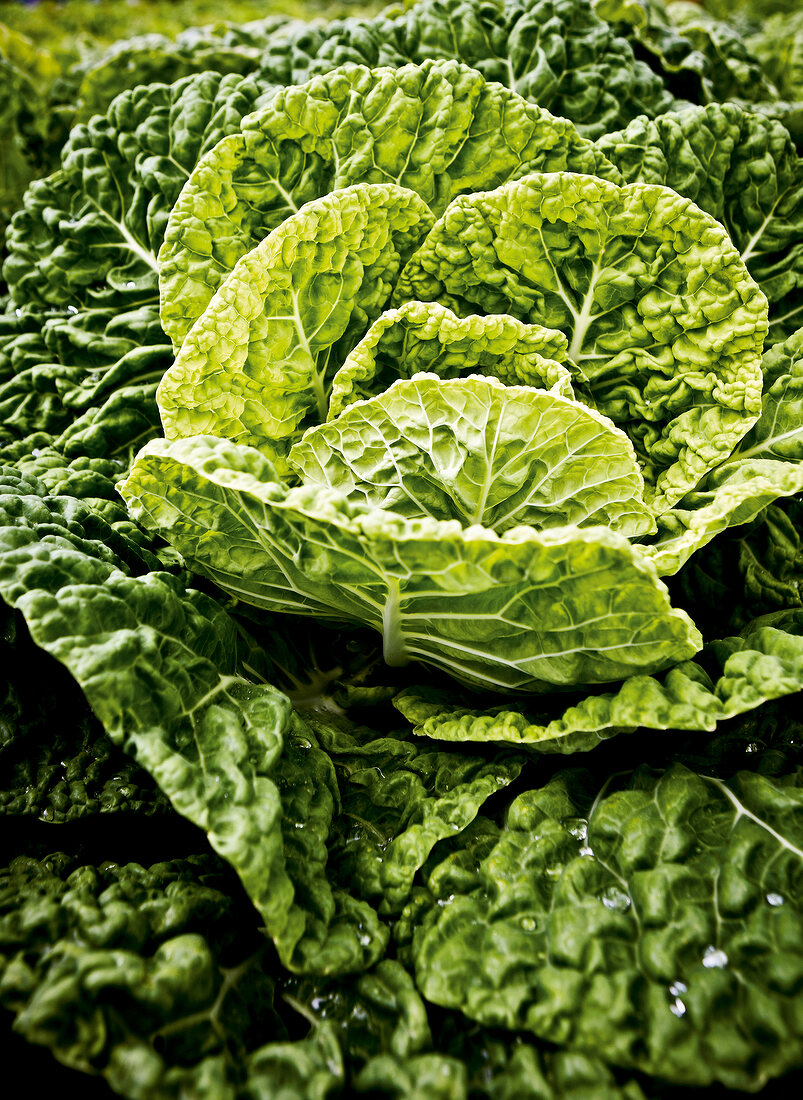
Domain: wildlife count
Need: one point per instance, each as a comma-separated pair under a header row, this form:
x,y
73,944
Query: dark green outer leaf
x,y
556,53
398,799
659,924
152,978
754,570
159,666
88,235
81,349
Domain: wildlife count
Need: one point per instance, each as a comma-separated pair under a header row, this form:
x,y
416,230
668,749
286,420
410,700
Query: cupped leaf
x,y
734,675
749,571
674,891
258,364
439,129
744,169
661,314
523,610
766,466
475,450
421,336
160,665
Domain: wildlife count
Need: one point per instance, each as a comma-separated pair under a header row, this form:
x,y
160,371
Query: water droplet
x,y
775,899
677,1008
130,285
676,988
614,898
18,312
714,958
528,924
586,851
576,827
35,452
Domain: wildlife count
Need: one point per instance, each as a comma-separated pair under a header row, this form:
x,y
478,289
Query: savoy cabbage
x,y
391,404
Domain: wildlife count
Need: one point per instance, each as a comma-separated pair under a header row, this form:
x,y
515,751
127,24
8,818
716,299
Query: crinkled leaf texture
x,y
81,348
744,169
151,977
677,893
765,466
439,129
661,314
159,664
88,235
524,610
734,675
399,798
749,571
425,336
479,452
556,53
257,365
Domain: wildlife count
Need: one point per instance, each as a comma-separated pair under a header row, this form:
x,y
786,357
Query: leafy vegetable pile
x,y
391,405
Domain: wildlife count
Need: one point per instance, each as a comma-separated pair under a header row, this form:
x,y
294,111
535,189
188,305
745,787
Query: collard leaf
x,y
439,129
159,666
429,337
744,169
258,364
479,452
676,891
765,662
660,312
523,610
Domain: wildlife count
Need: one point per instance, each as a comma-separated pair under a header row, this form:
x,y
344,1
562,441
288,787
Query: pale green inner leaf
x,y
482,453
